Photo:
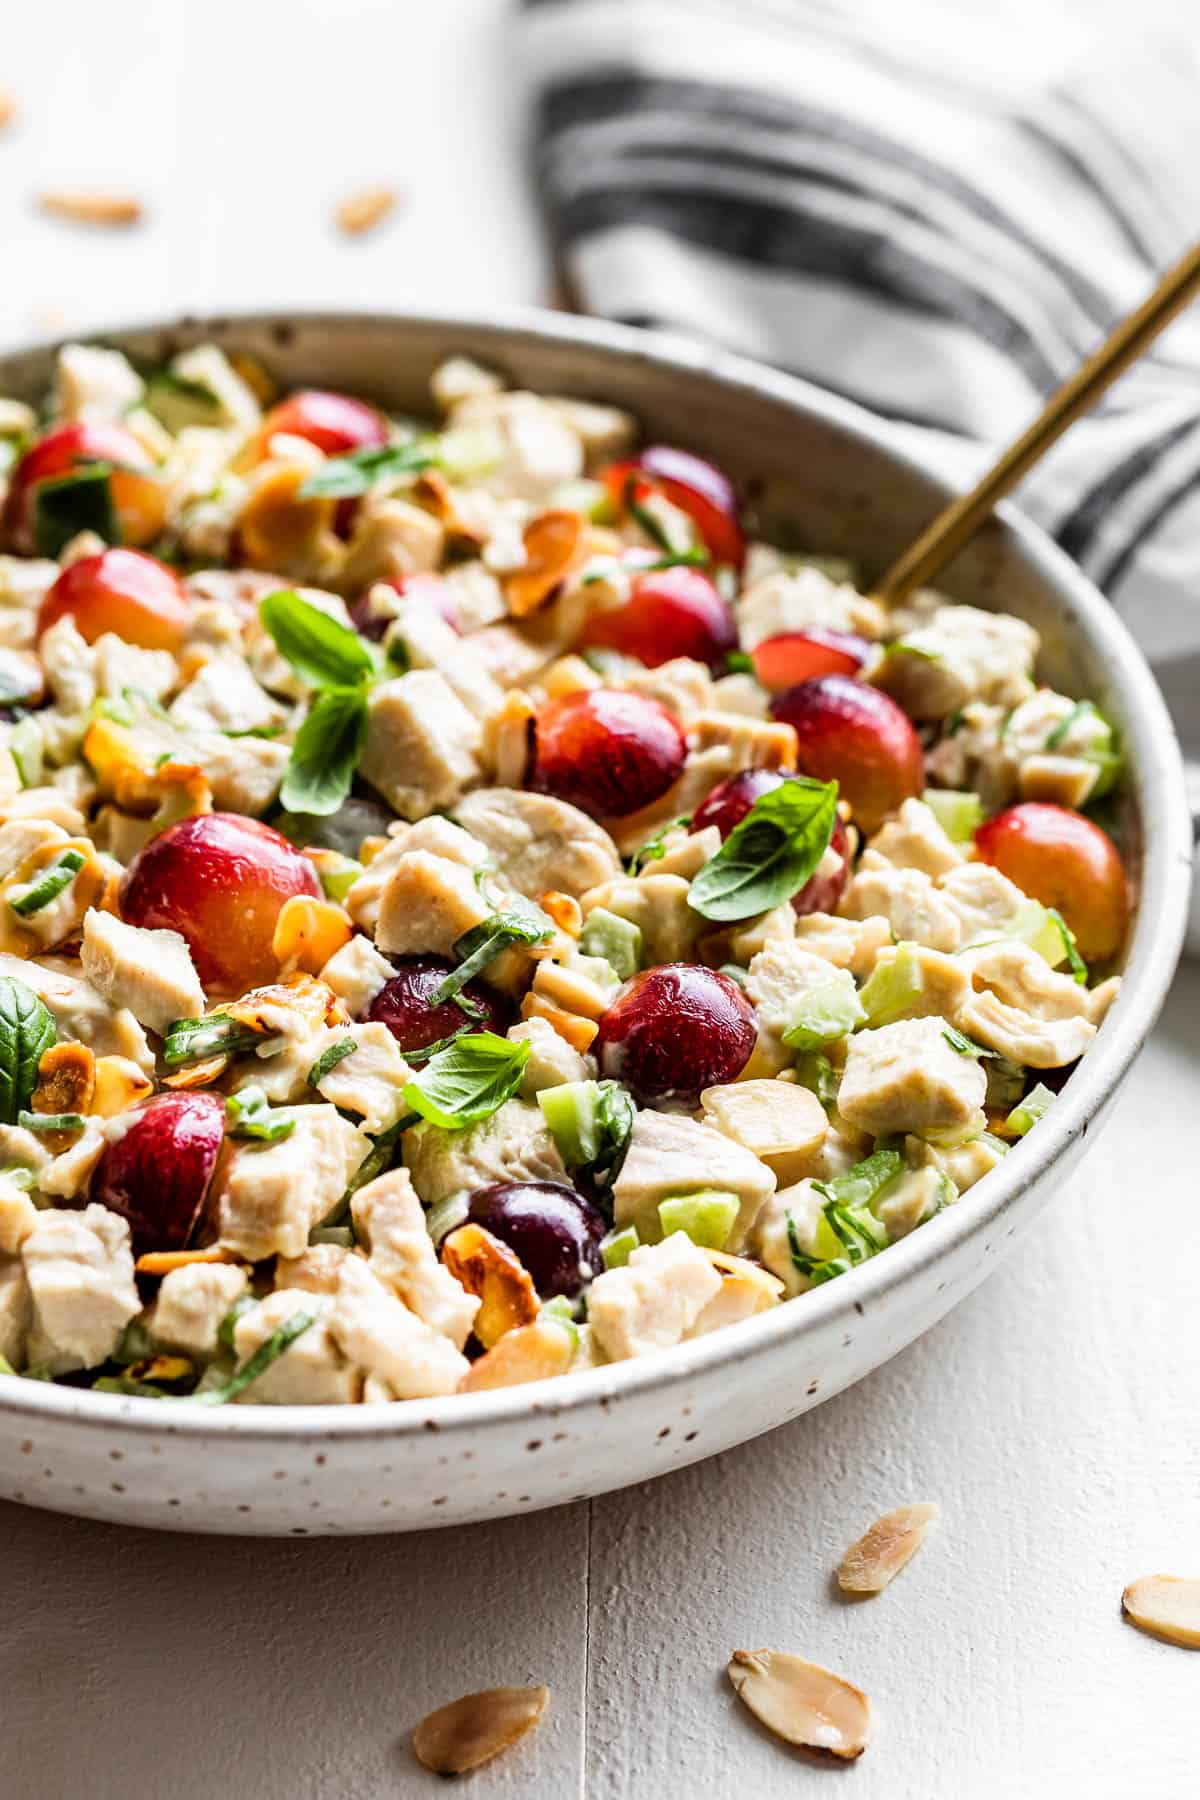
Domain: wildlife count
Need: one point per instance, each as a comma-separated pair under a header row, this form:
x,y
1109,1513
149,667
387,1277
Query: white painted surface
x,y
1053,1416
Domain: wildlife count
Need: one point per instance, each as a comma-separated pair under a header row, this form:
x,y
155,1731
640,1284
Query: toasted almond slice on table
x,y
1166,1605
877,1557
92,206
364,209
472,1730
801,1702
8,108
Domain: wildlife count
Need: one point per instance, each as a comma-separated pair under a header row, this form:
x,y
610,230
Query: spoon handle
x,y
959,521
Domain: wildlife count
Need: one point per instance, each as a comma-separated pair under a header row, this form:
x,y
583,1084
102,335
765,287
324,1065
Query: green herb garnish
x,y
50,885
468,1081
1078,967
27,1031
964,1045
260,1362
326,752
32,1121
195,1040
656,847
739,662
322,651
771,854
345,477
329,1059
519,922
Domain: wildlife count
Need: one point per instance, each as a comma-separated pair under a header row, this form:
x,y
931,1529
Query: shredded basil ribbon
x,y
346,477
57,877
329,1059
195,1040
260,1362
520,922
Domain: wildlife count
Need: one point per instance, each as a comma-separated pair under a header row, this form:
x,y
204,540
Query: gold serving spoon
x,y
958,523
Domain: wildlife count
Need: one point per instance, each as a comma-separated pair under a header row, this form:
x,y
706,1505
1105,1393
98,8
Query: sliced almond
x,y
564,909
302,994
120,1084
801,1702
487,1267
508,739
66,1083
554,542
577,1032
92,206
433,492
277,525
8,108
364,209
472,1730
161,1262
537,1352
308,932
1166,1605
876,1558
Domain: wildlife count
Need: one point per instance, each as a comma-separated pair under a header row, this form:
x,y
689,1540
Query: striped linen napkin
x,y
793,180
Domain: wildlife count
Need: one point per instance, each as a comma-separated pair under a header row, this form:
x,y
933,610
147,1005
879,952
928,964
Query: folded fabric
x,y
787,178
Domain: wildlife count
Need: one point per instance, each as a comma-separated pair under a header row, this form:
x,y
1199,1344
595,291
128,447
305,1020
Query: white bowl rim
x,y
1154,951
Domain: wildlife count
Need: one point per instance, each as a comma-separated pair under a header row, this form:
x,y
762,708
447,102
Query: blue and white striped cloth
x,y
788,178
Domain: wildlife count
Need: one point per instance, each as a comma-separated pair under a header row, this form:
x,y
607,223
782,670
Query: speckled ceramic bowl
x,y
827,475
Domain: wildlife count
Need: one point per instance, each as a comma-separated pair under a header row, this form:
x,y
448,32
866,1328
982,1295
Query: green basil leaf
x,y
326,752
468,1080
345,477
424,1051
642,516
520,922
248,1115
27,1031
65,505
49,885
323,652
260,1362
329,1059
771,854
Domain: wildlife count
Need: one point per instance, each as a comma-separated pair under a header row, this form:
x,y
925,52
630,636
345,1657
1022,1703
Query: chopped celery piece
x,y
571,1118
591,498
707,1217
824,1013
950,1137
958,814
1035,927
469,452
617,940
863,1184
892,988
844,1237
1077,965
338,878
28,748
444,1216
341,1235
1033,1107
1005,1083
996,1145
815,1072
619,1246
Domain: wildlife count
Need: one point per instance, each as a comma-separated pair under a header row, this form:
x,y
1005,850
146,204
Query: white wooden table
x,y
1053,1416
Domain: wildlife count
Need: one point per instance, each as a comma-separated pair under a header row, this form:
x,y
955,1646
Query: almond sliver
x,y
891,1542
1166,1605
472,1730
801,1702
161,1262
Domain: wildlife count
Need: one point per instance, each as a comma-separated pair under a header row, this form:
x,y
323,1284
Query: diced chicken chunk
x,y
786,601
392,538
915,840
405,1356
80,1271
654,1301
961,654
909,1077
271,1195
942,983
916,911
316,1269
430,643
658,906
369,1082
99,386
513,1145
539,449
18,1215
313,1370
356,973
552,1061
1038,1043
745,1291
914,1196
670,1154
852,944
428,902
16,1312
539,844
987,903
778,1122
150,972
793,1212
191,1304
224,696
389,1220
422,744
